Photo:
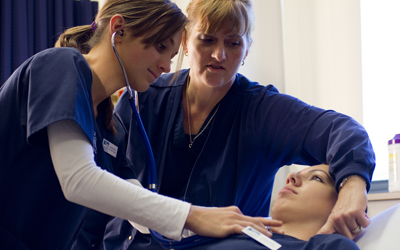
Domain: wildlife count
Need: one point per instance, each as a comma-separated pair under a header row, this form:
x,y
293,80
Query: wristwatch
x,y
347,178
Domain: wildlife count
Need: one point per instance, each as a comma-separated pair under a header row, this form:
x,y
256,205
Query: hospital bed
x,y
383,232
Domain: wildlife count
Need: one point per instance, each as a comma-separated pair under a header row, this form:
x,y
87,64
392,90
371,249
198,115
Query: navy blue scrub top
x,y
256,131
318,242
52,85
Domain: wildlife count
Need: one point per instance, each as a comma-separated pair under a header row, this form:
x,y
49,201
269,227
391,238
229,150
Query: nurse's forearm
x,y
84,183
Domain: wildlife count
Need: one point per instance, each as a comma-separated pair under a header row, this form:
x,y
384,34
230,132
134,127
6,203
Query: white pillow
x,y
382,232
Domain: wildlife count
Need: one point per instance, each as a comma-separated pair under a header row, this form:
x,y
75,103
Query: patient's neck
x,y
301,230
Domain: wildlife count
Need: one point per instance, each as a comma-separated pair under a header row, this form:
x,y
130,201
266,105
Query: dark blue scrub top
x,y
318,242
256,131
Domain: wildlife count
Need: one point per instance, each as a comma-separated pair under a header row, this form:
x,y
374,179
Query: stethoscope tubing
x,y
152,170
185,243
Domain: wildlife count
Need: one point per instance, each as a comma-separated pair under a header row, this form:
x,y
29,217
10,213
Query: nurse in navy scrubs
x,y
223,136
60,145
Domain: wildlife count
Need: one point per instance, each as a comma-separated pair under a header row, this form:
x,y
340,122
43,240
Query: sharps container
x,y
394,164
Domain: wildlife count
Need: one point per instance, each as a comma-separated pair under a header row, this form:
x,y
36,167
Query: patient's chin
x,y
279,208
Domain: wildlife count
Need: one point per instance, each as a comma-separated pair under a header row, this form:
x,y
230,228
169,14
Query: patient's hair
x,y
141,17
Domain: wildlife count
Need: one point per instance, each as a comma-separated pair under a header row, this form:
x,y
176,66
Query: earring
x,y
121,32
242,63
186,53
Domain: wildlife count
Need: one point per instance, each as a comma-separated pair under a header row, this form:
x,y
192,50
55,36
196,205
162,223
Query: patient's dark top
x,y
318,242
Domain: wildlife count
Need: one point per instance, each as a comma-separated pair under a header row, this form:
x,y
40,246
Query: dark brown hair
x,y
141,17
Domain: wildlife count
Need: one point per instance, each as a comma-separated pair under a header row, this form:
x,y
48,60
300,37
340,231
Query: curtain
x,y
29,26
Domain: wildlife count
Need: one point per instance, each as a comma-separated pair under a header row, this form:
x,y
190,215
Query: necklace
x,y
188,112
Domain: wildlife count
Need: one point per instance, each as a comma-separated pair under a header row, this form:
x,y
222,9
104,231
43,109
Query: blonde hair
x,y
211,14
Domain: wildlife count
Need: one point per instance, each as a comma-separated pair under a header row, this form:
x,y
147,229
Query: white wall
x,y
323,53
101,2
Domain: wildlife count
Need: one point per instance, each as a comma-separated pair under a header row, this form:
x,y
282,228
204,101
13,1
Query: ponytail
x,y
77,37
80,37
141,17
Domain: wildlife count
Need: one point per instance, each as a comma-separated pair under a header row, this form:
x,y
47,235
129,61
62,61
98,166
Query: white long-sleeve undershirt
x,y
84,183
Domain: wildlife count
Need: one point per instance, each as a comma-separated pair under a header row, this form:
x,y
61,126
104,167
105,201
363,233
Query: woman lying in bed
x,y
303,205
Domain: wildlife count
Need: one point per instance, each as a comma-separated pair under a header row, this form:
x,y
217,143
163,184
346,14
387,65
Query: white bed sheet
x,y
383,232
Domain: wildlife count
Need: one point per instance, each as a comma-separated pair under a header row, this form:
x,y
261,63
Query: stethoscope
x,y
185,243
152,170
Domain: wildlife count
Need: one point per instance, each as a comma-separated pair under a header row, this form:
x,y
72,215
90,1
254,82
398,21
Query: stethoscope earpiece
x,y
152,175
128,86
152,170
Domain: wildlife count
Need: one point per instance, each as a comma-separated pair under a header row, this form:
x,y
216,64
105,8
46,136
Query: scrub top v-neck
x,y
181,157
